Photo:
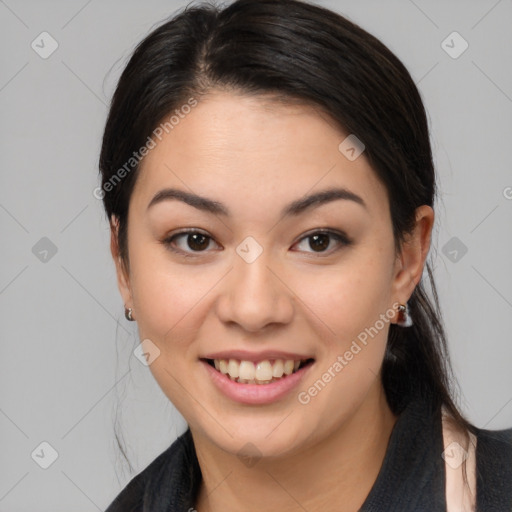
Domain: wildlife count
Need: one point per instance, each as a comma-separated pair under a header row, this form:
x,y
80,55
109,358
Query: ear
x,y
411,260
123,281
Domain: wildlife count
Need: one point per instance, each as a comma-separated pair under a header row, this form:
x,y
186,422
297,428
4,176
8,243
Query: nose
x,y
254,296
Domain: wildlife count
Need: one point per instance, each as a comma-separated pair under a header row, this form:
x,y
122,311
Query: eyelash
x,y
340,237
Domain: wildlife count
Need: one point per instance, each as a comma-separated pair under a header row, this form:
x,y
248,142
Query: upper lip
x,y
244,355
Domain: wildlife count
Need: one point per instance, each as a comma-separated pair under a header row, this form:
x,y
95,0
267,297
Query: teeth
x,y
246,370
263,372
233,369
288,367
278,369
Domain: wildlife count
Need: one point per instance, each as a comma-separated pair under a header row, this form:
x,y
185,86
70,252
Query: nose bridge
x,y
254,297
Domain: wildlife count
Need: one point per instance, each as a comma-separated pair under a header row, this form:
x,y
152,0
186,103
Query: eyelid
x,y
167,241
340,237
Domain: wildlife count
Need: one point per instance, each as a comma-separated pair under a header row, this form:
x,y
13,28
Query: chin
x,y
256,435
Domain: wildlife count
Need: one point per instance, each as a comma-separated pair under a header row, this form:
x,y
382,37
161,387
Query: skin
x,y
255,157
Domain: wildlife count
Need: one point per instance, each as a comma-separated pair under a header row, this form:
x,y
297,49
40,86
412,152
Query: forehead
x,y
248,149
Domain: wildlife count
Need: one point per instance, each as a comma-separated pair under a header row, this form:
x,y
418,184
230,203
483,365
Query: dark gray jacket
x,y
412,477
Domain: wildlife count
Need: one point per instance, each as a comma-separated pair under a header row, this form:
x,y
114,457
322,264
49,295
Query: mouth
x,y
262,372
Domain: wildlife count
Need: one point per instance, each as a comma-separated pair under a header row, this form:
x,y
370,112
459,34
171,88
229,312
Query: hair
x,y
296,52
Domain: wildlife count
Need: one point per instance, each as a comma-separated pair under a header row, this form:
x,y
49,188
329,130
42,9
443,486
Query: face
x,y
236,262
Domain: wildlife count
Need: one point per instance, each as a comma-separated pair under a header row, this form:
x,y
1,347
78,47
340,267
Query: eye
x,y
188,242
191,242
320,241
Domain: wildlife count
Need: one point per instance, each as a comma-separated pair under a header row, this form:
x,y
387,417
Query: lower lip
x,y
255,394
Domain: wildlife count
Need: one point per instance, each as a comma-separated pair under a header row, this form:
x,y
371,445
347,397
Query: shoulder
x,y
494,449
136,494
487,469
494,469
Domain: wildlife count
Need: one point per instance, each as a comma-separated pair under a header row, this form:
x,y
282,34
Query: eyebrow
x,y
295,208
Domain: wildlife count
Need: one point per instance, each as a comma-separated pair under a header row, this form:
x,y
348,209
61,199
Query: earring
x,y
404,317
128,314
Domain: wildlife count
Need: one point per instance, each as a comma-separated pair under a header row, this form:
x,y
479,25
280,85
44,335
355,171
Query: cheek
x,y
356,310
166,296
169,306
353,303
348,298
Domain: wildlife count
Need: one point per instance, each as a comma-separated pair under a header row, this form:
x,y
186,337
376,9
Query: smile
x,y
256,380
261,372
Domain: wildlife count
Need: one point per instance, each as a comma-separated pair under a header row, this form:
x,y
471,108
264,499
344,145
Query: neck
x,y
336,474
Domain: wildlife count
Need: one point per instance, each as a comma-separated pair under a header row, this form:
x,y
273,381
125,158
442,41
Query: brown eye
x,y
197,241
188,242
321,242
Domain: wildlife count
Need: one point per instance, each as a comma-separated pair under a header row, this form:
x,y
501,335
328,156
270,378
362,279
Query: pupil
x,y
197,241
319,242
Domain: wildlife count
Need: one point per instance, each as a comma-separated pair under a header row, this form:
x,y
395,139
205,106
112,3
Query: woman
x,y
267,173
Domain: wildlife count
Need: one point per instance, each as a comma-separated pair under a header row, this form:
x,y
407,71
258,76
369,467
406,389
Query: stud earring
x,y
128,314
404,317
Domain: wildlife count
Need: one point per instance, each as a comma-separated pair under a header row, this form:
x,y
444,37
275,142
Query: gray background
x,y
66,347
